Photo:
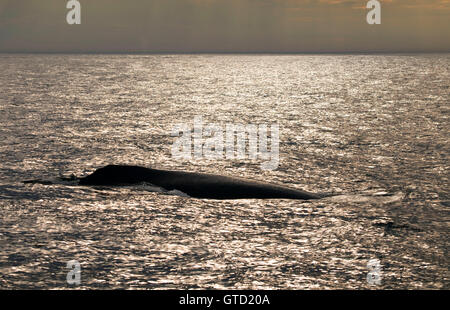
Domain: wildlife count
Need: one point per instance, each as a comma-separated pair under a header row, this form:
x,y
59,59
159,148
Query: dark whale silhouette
x,y
198,185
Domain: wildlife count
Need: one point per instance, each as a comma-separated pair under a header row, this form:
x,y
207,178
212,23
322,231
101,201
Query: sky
x,y
241,26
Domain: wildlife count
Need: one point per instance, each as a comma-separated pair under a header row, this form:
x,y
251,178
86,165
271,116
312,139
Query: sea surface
x,y
373,130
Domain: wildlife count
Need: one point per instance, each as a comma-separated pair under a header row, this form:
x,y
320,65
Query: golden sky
x,y
225,26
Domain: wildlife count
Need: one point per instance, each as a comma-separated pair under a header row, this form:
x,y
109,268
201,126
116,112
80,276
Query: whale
x,y
196,185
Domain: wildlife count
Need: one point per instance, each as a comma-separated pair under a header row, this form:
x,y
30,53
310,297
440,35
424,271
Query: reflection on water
x,y
373,130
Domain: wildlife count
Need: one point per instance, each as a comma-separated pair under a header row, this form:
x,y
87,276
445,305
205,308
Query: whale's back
x,y
117,175
224,187
198,185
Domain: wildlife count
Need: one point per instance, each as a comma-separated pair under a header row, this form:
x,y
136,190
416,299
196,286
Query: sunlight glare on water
x,y
373,130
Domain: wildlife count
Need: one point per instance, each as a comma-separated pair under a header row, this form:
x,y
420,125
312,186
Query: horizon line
x,y
223,52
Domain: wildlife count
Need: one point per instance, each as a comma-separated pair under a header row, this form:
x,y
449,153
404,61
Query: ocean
x,y
372,130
